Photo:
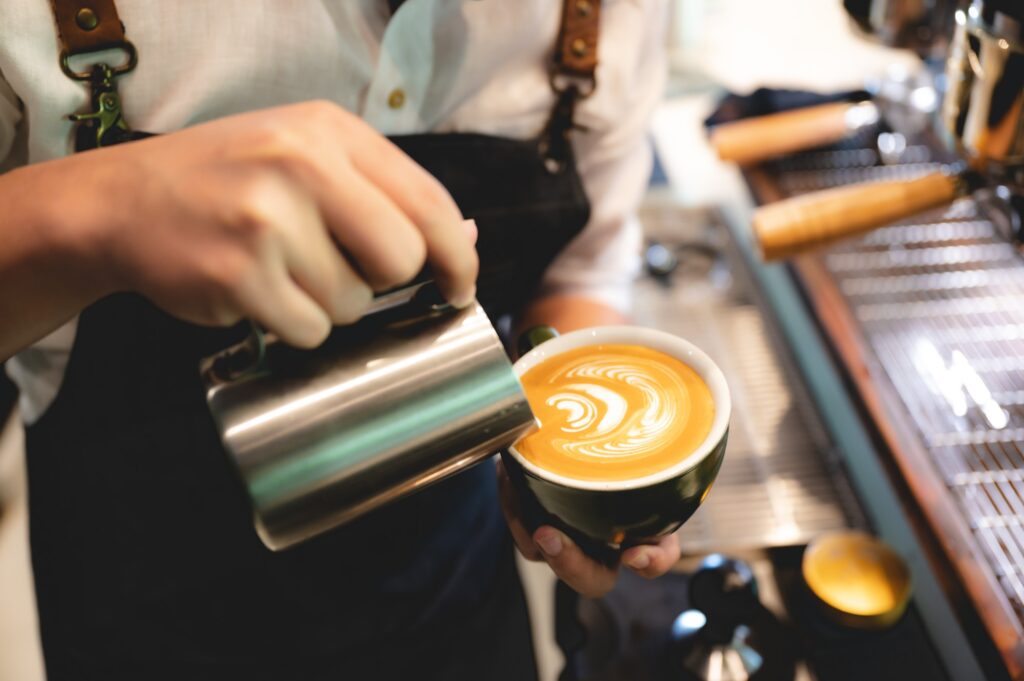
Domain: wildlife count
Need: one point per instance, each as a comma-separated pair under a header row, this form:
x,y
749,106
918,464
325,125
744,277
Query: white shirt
x,y
463,66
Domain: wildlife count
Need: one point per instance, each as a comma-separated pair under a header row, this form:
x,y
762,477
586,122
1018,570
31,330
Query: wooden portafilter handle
x,y
801,223
752,140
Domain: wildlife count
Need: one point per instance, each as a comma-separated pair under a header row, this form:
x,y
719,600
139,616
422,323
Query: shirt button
x,y
396,99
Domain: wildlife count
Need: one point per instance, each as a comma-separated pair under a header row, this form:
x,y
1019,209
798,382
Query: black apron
x,y
145,559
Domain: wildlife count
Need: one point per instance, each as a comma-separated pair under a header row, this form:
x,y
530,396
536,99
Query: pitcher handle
x,y
534,336
249,355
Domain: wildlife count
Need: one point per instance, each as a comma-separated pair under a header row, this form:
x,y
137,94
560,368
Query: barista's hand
x,y
569,563
290,216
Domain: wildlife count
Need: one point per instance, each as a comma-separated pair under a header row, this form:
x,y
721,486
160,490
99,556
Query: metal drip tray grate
x,y
940,302
774,488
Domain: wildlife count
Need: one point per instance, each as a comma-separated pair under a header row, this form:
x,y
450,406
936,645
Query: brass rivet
x,y
579,47
86,19
583,8
396,99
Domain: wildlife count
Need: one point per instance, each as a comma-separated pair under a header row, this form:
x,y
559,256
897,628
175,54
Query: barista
x,y
125,263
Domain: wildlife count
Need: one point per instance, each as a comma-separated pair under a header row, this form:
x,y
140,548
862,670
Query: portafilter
x,y
982,117
906,98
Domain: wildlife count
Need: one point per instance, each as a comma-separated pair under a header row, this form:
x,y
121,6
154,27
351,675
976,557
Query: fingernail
x,y
549,542
639,561
466,300
471,230
317,332
351,302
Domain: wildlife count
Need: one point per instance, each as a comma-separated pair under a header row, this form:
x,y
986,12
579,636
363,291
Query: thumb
x,y
585,575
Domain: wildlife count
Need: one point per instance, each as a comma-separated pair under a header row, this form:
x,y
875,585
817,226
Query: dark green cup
x,y
606,517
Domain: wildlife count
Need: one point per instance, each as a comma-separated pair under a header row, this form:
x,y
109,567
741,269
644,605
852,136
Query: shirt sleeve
x,y
10,116
614,156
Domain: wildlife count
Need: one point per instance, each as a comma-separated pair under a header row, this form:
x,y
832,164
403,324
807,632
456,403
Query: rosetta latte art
x,y
599,414
614,412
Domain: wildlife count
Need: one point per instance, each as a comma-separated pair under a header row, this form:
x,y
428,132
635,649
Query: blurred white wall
x,y
745,44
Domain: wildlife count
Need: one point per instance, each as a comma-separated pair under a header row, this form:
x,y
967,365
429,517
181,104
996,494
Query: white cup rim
x,y
681,349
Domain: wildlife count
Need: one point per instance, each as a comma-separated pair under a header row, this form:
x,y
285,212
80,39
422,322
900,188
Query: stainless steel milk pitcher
x,y
412,394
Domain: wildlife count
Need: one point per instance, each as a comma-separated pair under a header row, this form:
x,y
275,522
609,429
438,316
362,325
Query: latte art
x,y
600,415
614,412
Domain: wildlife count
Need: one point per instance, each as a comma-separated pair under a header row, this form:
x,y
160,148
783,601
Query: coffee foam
x,y
614,412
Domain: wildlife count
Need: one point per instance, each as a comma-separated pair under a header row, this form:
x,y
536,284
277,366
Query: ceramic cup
x,y
606,517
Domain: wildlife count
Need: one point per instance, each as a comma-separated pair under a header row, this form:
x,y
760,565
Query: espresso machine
x,y
907,98
909,267
981,123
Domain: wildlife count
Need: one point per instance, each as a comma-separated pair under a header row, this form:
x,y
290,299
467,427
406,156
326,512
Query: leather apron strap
x,y
87,25
572,74
576,56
